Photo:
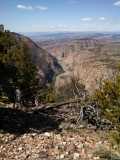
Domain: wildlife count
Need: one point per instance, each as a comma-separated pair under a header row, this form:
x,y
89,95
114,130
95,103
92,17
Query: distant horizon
x,y
64,33
44,36
71,31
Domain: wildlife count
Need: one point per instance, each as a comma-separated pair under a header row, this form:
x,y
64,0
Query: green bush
x,y
105,154
47,94
114,137
108,99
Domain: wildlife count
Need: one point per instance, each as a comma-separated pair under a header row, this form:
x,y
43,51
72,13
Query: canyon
x,y
91,58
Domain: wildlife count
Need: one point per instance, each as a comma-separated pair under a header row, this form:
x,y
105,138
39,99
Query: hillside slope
x,y
47,64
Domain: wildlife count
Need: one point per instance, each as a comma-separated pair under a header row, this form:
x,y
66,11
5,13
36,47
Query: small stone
x,y
34,134
66,153
58,136
62,156
47,134
24,136
76,156
96,158
64,143
20,148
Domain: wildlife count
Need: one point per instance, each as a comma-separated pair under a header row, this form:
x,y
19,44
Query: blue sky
x,y
60,15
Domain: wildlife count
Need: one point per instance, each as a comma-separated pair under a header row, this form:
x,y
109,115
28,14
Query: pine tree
x,y
16,68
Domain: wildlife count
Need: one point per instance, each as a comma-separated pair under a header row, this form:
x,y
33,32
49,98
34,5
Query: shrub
x,y
105,154
114,137
47,94
108,98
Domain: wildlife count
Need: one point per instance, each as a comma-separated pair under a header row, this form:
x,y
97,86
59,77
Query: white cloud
x,y
117,3
20,6
42,8
86,19
23,7
102,18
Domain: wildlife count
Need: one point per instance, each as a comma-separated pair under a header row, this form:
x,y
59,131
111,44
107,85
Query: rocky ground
x,y
68,145
49,134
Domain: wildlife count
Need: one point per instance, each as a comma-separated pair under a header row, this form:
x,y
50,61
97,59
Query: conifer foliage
x,y
16,68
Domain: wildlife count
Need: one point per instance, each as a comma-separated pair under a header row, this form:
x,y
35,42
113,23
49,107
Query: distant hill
x,y
57,36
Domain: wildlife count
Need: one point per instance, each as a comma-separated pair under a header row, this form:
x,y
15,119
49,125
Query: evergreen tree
x,y
16,68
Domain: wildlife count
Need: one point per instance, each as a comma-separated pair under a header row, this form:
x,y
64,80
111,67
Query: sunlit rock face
x,y
90,59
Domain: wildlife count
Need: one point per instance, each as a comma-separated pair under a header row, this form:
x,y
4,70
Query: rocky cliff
x,y
92,59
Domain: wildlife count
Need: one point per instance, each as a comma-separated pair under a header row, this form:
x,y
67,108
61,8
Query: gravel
x,y
66,145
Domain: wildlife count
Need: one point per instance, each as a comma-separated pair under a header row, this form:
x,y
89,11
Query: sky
x,y
60,15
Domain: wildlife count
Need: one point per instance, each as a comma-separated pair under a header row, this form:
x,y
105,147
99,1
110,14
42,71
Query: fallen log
x,y
64,103
56,105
